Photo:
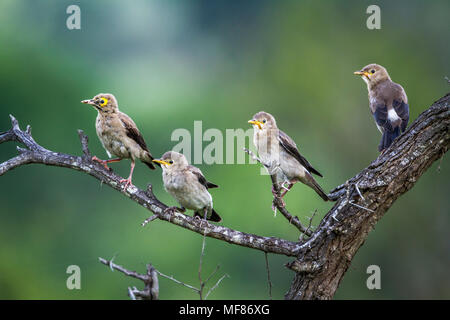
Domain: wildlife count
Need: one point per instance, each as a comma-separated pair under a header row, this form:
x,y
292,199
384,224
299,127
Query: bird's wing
x,y
402,110
201,178
290,147
132,131
380,114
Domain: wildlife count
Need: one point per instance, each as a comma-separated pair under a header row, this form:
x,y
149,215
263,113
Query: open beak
x,y
362,73
161,162
89,101
256,123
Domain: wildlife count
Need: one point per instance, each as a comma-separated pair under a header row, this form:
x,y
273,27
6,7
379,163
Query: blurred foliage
x,y
172,62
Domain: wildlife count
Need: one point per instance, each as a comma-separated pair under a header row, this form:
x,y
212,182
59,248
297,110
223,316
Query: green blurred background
x,y
172,62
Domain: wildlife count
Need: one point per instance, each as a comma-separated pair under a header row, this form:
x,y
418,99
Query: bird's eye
x,y
103,102
372,71
264,121
171,161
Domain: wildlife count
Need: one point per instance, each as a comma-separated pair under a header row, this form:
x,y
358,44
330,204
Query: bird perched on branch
x,y
118,134
279,154
388,103
187,185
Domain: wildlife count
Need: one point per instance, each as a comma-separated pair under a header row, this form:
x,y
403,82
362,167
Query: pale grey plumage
x,y
279,154
187,185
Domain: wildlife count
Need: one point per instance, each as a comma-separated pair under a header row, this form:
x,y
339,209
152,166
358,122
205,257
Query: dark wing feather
x,y
196,171
381,117
132,130
402,110
290,147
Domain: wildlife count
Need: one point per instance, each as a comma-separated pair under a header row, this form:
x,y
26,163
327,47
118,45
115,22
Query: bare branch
x,y
150,279
34,153
268,275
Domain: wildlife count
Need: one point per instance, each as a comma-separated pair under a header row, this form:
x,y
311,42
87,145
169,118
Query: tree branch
x,y
364,199
322,260
37,154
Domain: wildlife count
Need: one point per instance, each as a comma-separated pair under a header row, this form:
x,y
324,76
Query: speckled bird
x,y
388,103
280,155
187,185
118,134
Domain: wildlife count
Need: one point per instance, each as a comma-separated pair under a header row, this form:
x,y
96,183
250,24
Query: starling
x,y
388,103
279,154
187,185
118,134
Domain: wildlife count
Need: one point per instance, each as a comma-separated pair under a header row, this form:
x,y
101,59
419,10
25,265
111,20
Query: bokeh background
x,y
172,62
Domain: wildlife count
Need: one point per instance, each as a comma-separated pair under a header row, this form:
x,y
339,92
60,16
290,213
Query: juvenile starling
x,y
388,103
279,154
187,185
118,134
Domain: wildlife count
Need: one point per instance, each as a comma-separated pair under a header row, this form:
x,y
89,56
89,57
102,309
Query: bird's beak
x,y
161,162
362,73
89,101
256,123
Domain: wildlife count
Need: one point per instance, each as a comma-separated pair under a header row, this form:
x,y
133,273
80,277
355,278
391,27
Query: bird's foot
x,y
102,162
127,183
201,220
171,210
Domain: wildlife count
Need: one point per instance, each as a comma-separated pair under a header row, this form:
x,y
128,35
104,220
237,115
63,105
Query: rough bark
x,y
323,258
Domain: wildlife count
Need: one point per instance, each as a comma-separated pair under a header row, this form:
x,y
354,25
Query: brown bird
x,y
388,103
187,185
118,134
279,154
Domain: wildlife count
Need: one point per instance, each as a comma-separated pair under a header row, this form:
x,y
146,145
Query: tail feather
x,y
149,161
388,137
214,216
313,184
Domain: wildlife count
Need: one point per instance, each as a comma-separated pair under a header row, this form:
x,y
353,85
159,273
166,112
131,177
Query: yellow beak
x,y
161,162
362,73
256,123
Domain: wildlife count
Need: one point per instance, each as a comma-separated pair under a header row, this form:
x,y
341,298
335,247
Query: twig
x,y
309,225
215,286
268,275
177,281
150,279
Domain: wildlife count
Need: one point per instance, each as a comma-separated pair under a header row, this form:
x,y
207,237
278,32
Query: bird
x,y
388,103
279,154
187,185
118,134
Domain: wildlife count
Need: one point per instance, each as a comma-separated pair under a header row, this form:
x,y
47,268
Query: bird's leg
x,y
128,181
172,210
286,189
105,162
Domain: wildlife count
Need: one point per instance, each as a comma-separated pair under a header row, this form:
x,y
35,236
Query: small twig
x,y
268,276
309,224
361,207
359,192
149,219
151,283
177,281
215,286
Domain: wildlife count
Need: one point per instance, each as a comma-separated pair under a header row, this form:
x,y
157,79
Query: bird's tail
x,y
388,137
148,161
214,216
313,184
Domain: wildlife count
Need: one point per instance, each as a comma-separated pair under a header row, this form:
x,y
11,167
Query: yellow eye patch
x,y
103,102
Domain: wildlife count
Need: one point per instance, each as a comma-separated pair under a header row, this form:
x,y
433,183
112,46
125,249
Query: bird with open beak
x,y
118,134
279,154
388,103
187,185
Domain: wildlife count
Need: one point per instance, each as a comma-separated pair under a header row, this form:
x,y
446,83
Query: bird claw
x,y
170,210
102,162
127,183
